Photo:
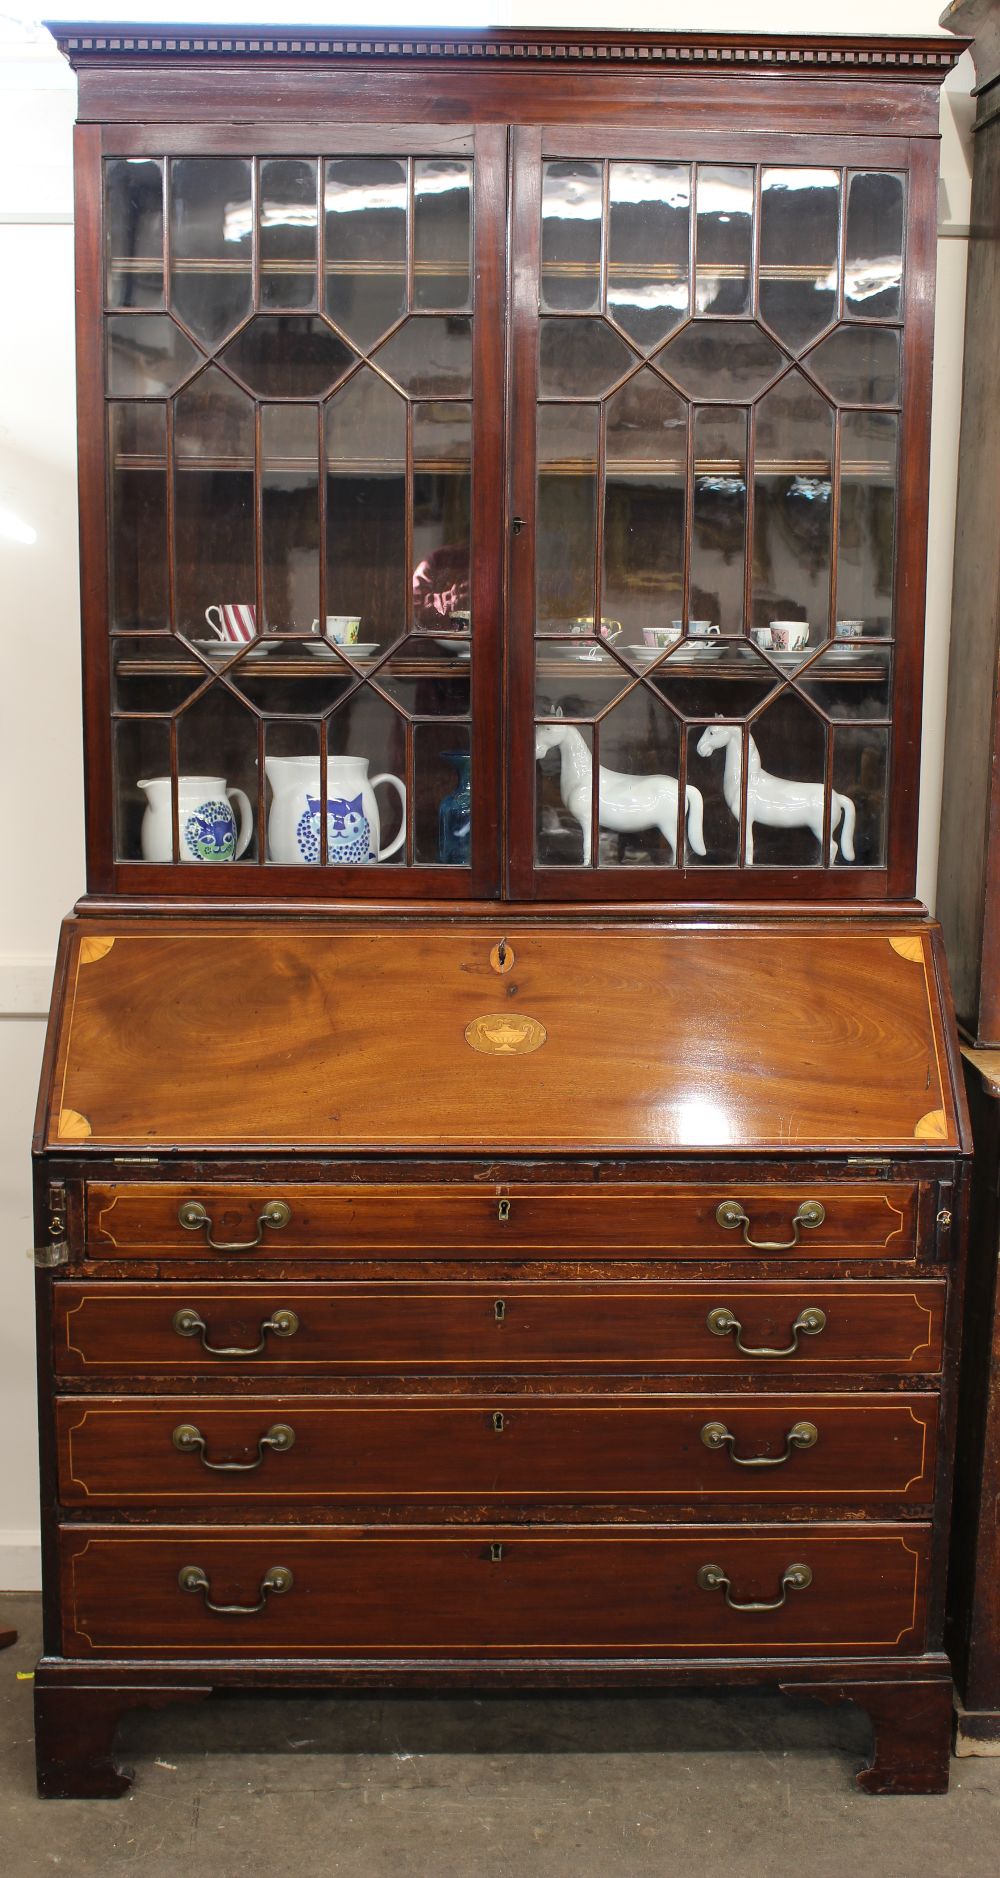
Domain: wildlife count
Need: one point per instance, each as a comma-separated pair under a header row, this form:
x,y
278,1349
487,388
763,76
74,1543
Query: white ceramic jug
x,y
206,825
353,831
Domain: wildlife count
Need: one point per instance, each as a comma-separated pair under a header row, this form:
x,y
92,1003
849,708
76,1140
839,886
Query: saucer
x,y
361,649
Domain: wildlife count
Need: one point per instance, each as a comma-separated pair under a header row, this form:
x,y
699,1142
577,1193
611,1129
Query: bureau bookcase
x,y
500,1162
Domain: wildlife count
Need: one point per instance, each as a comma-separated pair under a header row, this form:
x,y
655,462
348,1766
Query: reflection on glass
x,y
442,518
791,522
580,358
860,775
718,526
563,794
724,198
213,500
366,570
859,364
576,677
288,213
430,358
571,236
649,207
148,356
442,230
873,267
138,464
866,543
786,790
288,355
365,206
851,683
211,226
141,750
566,519
133,222
290,516
799,231
639,746
646,456
722,359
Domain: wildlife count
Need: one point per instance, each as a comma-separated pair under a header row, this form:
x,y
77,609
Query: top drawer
x,y
732,1220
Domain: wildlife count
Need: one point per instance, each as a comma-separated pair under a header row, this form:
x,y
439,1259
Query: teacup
x,y
789,635
342,629
237,622
661,635
698,628
849,629
762,638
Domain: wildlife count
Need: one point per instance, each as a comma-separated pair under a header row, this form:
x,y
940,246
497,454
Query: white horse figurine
x,y
776,801
625,803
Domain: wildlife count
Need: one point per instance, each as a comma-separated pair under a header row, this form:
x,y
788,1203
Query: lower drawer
x,y
283,1591
887,1325
274,1448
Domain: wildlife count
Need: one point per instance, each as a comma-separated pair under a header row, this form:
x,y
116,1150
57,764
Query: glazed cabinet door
x,y
716,605
302,366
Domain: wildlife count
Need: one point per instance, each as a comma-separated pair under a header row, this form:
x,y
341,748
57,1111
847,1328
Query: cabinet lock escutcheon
x,y
503,1211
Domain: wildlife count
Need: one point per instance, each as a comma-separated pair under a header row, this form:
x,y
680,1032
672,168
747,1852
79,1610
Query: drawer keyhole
x,y
499,1310
498,1421
503,1211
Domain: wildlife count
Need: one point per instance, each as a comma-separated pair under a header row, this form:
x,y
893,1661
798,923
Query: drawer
x,y
460,1593
190,1448
614,1221
879,1325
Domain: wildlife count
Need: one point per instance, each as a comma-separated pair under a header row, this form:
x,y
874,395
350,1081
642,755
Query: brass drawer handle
x,y
713,1578
279,1580
716,1435
808,1323
188,1439
187,1323
810,1214
193,1216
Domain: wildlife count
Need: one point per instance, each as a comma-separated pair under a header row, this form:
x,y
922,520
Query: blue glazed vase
x,y
455,813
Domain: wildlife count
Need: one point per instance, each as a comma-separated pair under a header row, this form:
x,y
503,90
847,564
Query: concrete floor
x,y
680,1786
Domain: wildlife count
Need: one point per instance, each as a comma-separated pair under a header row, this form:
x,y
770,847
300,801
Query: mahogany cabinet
x,y
501,1162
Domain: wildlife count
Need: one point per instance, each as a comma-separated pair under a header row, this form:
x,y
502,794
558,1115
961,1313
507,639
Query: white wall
x,y
40,745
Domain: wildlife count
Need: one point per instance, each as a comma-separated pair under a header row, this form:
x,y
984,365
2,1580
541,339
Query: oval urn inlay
x,y
505,1033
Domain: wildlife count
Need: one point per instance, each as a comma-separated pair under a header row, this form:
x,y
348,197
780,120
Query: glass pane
x,y
714,769
648,248
428,677
791,523
288,355
571,236
216,758
646,459
708,678
718,526
213,502
133,221
155,673
289,218
868,442
290,516
564,780
873,277
430,358
639,744
860,778
723,359
211,227
785,788
367,766
799,234
859,365
141,754
850,682
442,231
293,833
580,358
293,677
567,520
365,203
148,356
366,572
140,585
724,238
442,806
442,519
576,677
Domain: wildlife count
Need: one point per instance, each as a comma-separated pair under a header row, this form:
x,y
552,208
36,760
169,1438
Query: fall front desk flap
x,y
381,1035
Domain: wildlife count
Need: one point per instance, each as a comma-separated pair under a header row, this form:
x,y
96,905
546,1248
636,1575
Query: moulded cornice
x,y
827,55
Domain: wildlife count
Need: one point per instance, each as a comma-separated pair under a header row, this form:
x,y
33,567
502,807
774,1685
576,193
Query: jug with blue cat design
x,y
206,824
353,828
